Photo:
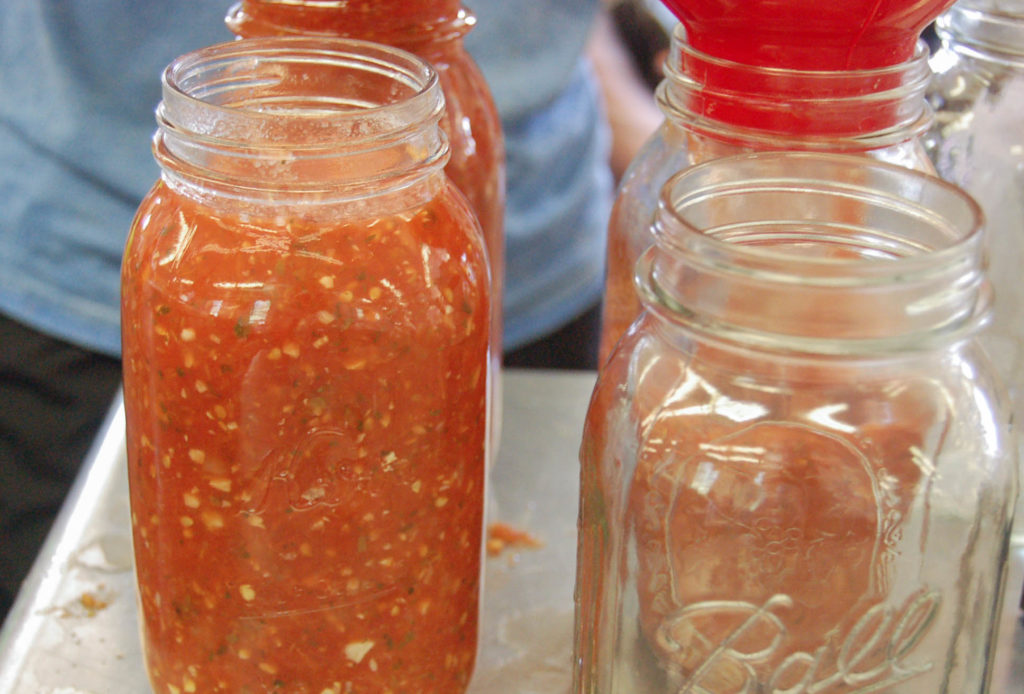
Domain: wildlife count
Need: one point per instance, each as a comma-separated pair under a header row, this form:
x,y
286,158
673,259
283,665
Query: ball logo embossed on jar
x,y
778,515
875,653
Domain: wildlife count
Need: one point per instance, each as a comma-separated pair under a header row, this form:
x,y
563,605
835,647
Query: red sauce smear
x,y
501,536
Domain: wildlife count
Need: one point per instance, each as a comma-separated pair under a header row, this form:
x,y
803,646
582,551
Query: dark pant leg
x,y
573,346
53,399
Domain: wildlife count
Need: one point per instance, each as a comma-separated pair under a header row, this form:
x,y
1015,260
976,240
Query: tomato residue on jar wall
x,y
306,433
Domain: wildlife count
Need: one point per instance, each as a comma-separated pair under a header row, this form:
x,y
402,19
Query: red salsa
x,y
433,30
306,422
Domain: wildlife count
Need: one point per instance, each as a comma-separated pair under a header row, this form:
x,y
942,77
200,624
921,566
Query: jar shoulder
x,y
405,258
946,404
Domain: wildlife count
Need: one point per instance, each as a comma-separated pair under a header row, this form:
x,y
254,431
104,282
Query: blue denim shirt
x,y
559,184
78,84
79,80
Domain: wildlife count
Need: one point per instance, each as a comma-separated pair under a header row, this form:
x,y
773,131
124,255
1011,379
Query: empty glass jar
x,y
977,142
796,474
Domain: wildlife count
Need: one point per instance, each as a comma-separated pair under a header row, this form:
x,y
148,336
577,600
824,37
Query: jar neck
x,y
300,120
402,23
985,30
764,106
817,254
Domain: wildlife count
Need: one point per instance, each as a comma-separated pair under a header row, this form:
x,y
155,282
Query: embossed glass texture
x,y
714,108
796,474
977,142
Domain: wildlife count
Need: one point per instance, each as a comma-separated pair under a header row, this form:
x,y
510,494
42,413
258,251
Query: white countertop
x,y
73,629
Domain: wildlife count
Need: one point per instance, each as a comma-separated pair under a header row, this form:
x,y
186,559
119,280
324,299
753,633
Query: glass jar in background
x,y
433,30
977,142
714,108
796,469
305,326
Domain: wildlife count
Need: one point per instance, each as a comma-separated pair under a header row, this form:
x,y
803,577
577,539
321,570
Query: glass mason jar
x,y
714,108
433,30
796,474
305,325
977,142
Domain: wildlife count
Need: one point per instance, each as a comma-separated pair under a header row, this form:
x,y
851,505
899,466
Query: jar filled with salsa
x,y
716,107
797,473
305,318
433,30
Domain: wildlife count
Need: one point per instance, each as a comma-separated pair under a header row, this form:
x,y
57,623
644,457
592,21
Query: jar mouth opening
x,y
823,253
803,345
706,211
983,28
999,11
267,90
300,117
826,109
788,132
